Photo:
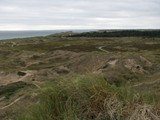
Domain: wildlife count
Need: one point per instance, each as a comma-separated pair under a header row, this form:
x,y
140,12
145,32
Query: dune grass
x,y
88,97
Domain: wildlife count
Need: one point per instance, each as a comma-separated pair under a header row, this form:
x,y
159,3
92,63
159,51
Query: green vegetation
x,y
10,89
120,33
86,97
87,77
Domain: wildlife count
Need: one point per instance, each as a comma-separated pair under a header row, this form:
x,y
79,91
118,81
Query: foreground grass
x,y
88,97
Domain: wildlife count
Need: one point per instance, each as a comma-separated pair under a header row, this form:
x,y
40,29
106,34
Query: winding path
x,y
101,49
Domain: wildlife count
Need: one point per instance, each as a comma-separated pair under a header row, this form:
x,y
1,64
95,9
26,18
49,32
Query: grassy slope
x,y
86,97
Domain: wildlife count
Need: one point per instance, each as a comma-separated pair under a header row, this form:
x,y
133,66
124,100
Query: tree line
x,y
120,33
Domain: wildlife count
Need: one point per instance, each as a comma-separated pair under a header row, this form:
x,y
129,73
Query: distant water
x,y
24,34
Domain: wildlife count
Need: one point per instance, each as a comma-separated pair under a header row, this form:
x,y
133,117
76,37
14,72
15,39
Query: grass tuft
x,y
88,97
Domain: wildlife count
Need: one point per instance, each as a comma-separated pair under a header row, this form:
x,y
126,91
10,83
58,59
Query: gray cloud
x,y
82,14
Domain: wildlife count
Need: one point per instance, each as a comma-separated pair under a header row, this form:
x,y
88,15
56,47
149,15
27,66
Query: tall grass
x,y
86,97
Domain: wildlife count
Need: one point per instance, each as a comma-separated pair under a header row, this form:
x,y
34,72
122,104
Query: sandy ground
x,y
7,78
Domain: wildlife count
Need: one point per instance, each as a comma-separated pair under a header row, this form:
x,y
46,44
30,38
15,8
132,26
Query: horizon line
x,y
81,29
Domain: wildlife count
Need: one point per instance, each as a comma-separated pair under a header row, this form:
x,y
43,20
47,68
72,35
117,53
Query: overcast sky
x,y
79,14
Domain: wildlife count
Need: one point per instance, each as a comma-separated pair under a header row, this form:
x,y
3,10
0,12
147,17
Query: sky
x,y
79,14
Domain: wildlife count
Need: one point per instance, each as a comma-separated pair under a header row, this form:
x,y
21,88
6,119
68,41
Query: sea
x,y
5,35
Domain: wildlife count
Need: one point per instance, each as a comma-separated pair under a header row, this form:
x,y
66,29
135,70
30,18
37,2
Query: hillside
x,y
88,76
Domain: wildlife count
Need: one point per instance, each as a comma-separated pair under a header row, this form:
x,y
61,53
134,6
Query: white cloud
x,y
71,14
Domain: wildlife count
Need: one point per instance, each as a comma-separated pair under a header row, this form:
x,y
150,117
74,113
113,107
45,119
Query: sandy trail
x,y
9,78
24,78
18,99
101,49
12,103
146,83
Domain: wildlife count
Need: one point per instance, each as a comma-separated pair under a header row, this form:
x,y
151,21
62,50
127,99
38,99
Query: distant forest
x,y
120,33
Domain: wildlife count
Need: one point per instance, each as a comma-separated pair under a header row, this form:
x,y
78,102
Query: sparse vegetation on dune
x,y
80,78
89,97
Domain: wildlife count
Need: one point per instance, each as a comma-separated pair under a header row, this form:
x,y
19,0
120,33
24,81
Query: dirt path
x,y
24,77
28,74
146,83
8,78
35,83
12,103
101,49
18,99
